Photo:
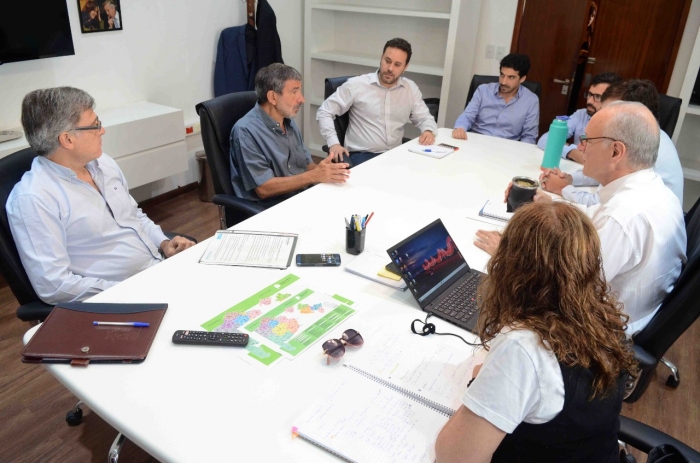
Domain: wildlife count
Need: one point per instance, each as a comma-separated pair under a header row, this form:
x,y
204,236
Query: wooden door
x,y
549,32
636,40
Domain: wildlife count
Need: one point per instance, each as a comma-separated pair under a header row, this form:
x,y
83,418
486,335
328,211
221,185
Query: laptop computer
x,y
437,275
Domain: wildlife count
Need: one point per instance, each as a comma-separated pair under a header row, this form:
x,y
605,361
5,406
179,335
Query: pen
x,y
357,223
135,324
369,218
427,151
347,223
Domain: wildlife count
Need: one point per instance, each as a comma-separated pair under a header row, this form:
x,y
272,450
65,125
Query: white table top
x,y
192,403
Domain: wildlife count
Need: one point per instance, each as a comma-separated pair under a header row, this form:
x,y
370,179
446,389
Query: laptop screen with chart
x,y
437,275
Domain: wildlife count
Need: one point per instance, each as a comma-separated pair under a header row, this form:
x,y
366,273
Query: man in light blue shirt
x,y
505,109
77,229
667,166
579,120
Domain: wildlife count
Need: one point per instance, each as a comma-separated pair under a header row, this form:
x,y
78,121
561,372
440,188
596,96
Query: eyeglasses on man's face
x,y
584,139
596,97
98,126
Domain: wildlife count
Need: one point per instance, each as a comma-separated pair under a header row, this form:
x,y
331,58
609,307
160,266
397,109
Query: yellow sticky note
x,y
387,274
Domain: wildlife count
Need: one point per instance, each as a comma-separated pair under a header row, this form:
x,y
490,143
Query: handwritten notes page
x,y
362,420
429,368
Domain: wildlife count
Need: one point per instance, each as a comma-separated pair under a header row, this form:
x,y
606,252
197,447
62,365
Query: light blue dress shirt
x,y
487,113
73,240
667,166
577,126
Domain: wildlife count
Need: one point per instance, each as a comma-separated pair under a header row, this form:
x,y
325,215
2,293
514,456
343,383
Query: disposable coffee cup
x,y
522,192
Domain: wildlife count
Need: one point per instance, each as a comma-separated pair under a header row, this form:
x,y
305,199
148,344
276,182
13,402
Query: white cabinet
x,y
346,38
147,141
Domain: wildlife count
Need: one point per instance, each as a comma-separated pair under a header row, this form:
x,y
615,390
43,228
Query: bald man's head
x,y
634,125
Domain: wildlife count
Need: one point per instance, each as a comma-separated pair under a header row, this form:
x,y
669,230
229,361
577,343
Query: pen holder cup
x,y
354,241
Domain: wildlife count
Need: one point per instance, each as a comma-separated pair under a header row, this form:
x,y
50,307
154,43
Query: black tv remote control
x,y
208,338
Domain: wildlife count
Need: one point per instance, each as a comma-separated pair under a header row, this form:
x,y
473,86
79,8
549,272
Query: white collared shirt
x,y
377,114
74,241
642,234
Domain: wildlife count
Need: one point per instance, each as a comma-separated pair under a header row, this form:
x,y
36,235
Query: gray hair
x,y
274,77
46,113
640,134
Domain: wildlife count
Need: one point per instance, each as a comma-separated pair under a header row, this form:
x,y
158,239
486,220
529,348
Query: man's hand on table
x,y
427,138
459,133
554,180
178,244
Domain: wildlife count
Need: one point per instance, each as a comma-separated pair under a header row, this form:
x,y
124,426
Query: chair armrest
x,y
37,310
644,359
645,438
326,149
240,204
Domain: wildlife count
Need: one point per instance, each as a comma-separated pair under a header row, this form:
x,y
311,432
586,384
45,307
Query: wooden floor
x,y
33,404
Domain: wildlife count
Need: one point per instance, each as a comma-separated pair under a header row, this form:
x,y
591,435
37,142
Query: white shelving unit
x,y
346,38
687,133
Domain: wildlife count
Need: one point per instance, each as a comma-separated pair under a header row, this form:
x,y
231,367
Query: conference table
x,y
202,404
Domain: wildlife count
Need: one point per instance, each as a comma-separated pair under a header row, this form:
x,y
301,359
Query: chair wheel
x,y
671,381
74,417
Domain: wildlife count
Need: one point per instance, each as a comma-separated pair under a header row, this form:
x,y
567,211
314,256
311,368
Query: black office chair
x,y
31,308
217,118
669,108
534,87
677,313
341,122
645,438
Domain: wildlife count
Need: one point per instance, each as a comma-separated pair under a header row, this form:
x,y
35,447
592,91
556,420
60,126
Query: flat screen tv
x,y
34,30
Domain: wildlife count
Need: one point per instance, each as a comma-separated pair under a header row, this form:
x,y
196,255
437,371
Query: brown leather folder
x,y
68,335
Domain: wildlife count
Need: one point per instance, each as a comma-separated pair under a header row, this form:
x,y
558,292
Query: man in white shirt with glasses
x,y
77,229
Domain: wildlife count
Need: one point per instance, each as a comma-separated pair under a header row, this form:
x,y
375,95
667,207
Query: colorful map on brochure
x,y
282,319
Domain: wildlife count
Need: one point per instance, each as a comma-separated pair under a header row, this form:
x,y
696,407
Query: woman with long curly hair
x,y
551,386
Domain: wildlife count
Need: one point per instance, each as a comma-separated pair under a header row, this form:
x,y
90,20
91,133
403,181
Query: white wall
x,y
165,54
496,24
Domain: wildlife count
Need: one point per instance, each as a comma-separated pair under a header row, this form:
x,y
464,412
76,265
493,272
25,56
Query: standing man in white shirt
x,y
639,219
77,229
380,104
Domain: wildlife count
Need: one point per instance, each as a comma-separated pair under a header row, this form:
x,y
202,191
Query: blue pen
x,y
363,223
135,324
427,151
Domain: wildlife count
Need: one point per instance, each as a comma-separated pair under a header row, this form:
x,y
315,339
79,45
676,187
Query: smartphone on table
x,y
318,260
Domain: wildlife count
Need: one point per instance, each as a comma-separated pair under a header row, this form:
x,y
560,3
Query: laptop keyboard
x,y
460,304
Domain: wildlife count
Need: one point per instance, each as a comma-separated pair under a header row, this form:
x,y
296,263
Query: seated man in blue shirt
x,y
269,161
667,166
579,120
77,229
505,109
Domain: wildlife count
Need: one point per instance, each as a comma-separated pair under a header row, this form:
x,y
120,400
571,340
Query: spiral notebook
x,y
390,402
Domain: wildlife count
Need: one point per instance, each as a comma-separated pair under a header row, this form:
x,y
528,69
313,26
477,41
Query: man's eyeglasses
x,y
596,97
336,347
584,139
90,127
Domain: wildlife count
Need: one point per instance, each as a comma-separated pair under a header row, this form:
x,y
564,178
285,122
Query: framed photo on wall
x,y
100,15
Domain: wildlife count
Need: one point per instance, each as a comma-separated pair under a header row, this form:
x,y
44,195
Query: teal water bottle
x,y
558,132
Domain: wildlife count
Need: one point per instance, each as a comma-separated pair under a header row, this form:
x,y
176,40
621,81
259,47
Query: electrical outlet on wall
x,y
500,52
490,50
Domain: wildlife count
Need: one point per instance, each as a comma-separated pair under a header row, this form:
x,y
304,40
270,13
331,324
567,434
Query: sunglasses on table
x,y
336,347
